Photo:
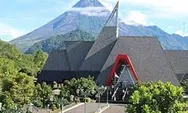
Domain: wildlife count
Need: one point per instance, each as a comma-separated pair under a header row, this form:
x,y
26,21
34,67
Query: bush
x,y
66,102
78,88
88,100
156,98
71,98
53,107
77,99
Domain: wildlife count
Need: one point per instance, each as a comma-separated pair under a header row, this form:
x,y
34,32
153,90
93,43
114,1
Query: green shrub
x,y
77,99
88,100
156,98
53,107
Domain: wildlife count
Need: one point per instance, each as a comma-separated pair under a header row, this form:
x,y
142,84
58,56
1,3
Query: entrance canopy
x,y
123,70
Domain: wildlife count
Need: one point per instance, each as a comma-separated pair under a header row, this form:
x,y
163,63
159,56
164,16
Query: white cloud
x,y
91,11
164,8
108,4
6,30
170,5
136,17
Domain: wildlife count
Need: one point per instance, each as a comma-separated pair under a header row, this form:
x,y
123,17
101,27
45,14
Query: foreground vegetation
x,y
17,74
71,91
157,98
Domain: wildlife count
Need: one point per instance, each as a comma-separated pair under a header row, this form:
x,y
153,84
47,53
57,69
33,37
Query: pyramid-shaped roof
x,y
147,56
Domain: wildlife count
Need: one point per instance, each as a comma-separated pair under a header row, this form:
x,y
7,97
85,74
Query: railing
x,y
114,94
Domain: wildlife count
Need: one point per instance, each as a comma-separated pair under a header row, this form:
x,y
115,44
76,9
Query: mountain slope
x,y
71,20
88,3
90,16
60,41
168,41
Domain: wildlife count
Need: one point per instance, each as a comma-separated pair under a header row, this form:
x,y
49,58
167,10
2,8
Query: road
x,y
91,108
115,108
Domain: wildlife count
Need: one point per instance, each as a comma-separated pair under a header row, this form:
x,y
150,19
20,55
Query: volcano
x,y
90,16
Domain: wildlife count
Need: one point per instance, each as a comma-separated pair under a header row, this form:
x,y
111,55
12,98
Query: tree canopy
x,y
17,73
156,98
59,42
12,60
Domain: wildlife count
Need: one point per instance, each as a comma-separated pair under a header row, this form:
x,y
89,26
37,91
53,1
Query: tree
x,y
17,90
16,75
78,87
7,66
75,89
43,95
39,59
64,93
156,98
88,85
12,60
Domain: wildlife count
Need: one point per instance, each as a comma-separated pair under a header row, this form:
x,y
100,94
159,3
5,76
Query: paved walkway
x,y
115,108
91,108
41,111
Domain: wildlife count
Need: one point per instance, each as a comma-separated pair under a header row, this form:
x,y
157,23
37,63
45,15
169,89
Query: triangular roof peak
x,y
113,19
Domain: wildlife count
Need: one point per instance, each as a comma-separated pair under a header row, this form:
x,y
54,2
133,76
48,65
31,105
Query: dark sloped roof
x,y
57,60
147,57
178,60
77,53
64,64
50,76
182,77
69,59
71,44
100,50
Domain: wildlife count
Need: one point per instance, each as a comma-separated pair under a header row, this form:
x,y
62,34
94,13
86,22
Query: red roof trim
x,y
112,73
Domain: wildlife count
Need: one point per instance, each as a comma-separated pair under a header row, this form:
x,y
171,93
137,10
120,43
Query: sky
x,y
18,17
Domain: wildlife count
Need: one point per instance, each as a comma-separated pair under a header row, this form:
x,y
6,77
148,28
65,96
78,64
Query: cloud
x,y
108,4
91,11
136,17
169,5
160,8
9,31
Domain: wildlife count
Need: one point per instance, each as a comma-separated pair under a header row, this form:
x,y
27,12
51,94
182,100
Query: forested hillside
x,y
17,74
11,59
59,42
